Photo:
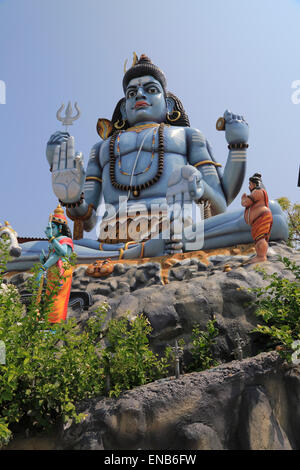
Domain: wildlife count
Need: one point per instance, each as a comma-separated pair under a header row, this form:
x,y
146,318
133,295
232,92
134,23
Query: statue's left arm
x,y
237,134
208,170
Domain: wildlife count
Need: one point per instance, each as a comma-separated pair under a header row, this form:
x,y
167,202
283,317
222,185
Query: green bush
x,y
292,211
48,367
129,361
278,304
51,367
202,342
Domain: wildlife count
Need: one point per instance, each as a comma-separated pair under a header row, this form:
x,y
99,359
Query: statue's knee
x,y
280,228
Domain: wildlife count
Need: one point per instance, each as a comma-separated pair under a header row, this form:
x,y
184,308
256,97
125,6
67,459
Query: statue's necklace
x,y
141,127
136,189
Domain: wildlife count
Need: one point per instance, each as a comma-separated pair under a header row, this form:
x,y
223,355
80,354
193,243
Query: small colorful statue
x,y
7,231
259,216
60,246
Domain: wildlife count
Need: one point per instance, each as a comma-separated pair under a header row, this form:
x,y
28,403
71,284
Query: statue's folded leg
x,y
220,231
131,250
230,229
88,251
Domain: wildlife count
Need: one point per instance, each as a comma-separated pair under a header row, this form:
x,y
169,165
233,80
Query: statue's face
x,y
145,100
55,230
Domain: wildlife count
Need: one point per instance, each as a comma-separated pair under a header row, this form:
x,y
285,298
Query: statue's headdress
x,y
144,66
59,216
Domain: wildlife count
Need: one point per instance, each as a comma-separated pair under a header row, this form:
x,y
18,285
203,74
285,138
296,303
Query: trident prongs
x,y
68,119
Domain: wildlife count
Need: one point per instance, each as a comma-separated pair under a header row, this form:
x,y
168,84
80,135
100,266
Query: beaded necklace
x,y
136,189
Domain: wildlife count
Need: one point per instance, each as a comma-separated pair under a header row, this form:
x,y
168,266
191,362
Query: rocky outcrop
x,y
197,290
241,404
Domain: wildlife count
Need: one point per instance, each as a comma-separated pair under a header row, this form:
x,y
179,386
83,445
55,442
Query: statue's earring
x,y
120,126
174,116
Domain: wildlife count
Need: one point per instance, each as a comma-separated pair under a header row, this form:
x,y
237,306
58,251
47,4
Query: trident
x,y
68,119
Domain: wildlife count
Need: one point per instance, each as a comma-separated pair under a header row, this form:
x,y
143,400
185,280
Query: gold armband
x,y
93,178
207,162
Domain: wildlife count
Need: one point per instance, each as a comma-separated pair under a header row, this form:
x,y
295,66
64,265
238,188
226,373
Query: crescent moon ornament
x,y
125,64
135,59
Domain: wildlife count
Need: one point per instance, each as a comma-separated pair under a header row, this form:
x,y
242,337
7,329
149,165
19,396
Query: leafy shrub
x,y
129,361
278,304
202,342
292,212
50,367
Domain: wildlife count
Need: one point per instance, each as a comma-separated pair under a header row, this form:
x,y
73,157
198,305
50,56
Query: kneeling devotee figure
x,y
259,216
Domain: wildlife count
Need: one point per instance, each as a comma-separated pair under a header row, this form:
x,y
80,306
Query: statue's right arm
x,y
92,190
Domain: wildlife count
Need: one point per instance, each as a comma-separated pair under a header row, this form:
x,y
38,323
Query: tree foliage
x,y
278,305
293,215
49,367
202,342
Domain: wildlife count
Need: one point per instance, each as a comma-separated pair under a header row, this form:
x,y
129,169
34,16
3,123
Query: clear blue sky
x,y
216,54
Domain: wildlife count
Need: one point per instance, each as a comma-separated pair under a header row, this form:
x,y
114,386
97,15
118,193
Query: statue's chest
x,y
127,145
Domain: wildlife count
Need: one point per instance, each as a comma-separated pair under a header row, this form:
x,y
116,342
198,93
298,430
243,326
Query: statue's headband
x,y
144,66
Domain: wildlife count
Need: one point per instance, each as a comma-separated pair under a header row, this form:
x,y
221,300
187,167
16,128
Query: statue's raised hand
x,y
236,128
68,174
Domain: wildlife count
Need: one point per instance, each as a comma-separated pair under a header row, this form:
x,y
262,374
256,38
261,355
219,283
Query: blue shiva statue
x,y
152,169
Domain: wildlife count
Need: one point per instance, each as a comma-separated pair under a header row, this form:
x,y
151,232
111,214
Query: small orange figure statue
x,y
60,246
258,216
